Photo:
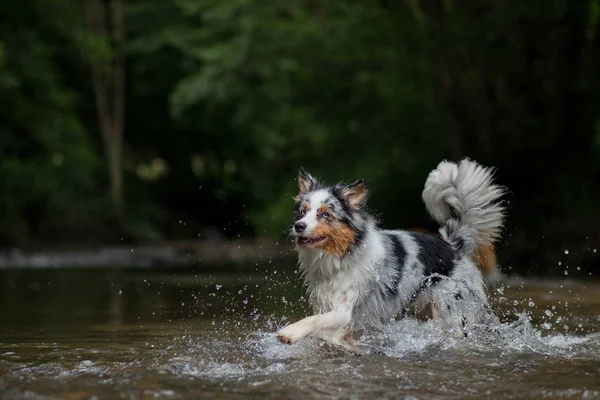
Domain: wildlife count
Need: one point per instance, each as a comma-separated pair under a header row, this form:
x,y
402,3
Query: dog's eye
x,y
325,215
303,212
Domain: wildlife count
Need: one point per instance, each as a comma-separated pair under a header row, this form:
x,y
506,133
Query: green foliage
x,y
303,84
48,161
226,99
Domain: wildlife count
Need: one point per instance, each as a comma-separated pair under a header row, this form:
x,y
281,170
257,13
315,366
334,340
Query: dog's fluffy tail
x,y
464,200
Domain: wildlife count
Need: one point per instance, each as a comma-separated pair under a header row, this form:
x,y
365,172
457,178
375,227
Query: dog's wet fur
x,y
359,276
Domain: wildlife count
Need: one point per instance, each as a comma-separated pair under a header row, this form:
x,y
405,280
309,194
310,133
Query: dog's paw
x,y
289,335
284,339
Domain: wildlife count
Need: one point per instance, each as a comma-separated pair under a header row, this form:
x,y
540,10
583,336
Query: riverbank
x,y
169,254
549,256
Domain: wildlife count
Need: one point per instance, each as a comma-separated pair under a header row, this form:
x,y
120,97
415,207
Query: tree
x,y
48,164
107,65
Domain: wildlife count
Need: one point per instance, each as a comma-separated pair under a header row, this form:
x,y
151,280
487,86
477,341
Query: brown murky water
x,y
174,335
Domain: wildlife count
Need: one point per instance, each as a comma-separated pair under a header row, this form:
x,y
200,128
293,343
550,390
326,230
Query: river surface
x,y
141,334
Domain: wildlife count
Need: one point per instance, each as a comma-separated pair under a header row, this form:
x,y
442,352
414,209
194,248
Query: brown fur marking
x,y
305,206
304,183
339,237
355,194
322,209
485,258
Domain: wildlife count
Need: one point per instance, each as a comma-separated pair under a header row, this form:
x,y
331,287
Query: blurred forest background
x,y
155,120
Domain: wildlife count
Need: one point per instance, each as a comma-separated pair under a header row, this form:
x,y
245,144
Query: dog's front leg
x,y
308,326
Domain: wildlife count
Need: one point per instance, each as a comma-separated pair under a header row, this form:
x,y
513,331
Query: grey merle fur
x,y
386,273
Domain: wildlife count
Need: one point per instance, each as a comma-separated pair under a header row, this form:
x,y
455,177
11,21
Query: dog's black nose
x,y
299,227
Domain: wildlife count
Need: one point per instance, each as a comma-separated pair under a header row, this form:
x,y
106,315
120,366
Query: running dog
x,y
360,276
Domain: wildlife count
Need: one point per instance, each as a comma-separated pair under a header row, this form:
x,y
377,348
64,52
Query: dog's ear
x,y
355,194
306,182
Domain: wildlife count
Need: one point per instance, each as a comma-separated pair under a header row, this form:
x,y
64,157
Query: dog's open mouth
x,y
310,240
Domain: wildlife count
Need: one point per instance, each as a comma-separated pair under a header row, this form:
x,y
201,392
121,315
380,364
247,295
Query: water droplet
x,y
566,251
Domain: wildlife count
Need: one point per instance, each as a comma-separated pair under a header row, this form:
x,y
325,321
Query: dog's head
x,y
329,218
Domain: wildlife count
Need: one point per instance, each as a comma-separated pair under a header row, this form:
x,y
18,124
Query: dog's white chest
x,y
330,295
332,282
337,291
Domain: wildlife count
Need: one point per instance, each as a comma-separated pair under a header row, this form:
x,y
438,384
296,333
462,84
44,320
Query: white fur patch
x,y
464,199
315,200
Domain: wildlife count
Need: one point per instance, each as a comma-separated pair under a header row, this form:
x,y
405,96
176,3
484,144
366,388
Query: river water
x,y
141,334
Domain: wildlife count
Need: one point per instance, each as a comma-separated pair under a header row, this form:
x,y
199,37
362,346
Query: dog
x,y
484,257
359,276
